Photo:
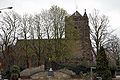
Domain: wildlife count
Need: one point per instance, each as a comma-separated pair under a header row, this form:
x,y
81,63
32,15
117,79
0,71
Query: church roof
x,y
77,14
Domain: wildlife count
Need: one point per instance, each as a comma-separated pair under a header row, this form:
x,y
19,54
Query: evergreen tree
x,y
103,69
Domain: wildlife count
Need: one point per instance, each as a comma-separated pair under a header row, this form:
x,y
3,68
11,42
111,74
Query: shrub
x,y
15,69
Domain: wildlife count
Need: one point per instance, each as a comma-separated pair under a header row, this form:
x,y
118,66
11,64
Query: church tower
x,y
77,29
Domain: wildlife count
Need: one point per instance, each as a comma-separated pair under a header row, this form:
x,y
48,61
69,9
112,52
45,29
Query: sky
x,y
110,8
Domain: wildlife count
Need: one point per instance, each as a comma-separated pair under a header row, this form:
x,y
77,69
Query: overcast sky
x,y
111,8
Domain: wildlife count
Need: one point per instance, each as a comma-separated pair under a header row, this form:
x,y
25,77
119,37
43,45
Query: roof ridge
x,y
76,14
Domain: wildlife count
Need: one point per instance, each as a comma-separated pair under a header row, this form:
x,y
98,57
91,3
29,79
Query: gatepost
x,y
50,74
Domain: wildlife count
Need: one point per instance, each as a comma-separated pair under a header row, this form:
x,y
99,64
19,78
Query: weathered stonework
x,y
82,43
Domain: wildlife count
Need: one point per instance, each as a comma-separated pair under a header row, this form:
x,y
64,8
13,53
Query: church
x,y
77,34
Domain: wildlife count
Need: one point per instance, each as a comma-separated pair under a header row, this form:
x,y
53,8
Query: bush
x,y
6,74
15,69
79,69
12,70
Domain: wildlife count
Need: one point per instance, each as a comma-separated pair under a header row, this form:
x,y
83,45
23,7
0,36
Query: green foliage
x,y
6,74
103,69
15,69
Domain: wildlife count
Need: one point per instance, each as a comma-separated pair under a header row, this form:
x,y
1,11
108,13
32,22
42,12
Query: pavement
x,y
117,78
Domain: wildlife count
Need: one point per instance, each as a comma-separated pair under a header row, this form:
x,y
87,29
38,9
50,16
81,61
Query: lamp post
x,y
91,71
5,8
0,70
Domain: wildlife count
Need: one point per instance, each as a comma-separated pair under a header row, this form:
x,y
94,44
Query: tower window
x,y
75,27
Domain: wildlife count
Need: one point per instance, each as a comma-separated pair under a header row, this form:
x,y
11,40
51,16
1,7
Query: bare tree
x,y
54,26
9,25
38,42
58,18
99,33
47,24
25,35
113,47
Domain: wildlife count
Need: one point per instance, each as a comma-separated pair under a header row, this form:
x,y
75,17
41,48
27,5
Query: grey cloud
x,y
110,4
